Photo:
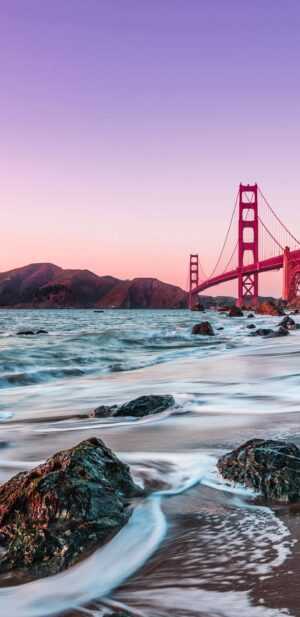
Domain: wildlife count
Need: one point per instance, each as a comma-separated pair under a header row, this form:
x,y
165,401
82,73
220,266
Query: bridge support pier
x,y
248,245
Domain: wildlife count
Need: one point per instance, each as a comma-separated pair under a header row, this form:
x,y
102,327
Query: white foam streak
x,y
226,604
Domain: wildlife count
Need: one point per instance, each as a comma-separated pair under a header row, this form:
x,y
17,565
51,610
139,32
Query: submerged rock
x,y
269,307
250,316
251,326
271,468
235,311
138,408
204,329
77,500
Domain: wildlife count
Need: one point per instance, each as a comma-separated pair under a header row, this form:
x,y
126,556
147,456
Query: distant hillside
x,y
44,285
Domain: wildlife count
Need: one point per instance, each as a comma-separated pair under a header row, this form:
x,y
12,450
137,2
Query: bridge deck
x,y
274,263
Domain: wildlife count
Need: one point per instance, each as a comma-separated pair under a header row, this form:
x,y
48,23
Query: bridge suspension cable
x,y
202,271
277,218
270,234
225,239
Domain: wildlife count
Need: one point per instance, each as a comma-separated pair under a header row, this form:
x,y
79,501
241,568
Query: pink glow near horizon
x,y
127,127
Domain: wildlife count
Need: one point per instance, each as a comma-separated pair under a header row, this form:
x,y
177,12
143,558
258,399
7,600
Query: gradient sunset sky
x,y
127,125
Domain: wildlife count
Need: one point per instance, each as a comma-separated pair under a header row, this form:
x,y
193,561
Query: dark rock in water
x,y
51,516
269,307
251,326
31,332
199,307
262,332
204,328
288,323
235,311
269,333
250,316
271,468
220,328
146,405
138,408
99,311
278,333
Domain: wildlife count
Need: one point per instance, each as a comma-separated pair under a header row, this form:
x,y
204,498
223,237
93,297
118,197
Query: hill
x,y
45,285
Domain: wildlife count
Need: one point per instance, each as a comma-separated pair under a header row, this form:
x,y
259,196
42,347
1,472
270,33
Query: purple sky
x,y
127,125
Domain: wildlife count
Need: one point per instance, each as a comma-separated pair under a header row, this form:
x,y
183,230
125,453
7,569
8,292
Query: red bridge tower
x,y
248,245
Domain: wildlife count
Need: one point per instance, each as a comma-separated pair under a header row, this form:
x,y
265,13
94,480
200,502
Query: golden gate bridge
x,y
264,243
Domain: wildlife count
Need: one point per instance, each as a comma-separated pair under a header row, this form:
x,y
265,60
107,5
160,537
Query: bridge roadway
x,y
274,263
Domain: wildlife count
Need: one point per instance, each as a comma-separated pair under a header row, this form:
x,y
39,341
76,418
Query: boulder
x,y
251,326
269,333
271,468
53,515
31,332
138,408
250,316
288,323
278,333
262,332
204,328
269,307
235,311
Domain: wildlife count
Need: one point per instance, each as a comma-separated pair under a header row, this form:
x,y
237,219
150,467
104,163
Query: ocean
x,y
197,546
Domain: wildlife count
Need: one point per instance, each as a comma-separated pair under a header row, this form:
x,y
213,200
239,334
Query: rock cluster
x,y
269,307
271,468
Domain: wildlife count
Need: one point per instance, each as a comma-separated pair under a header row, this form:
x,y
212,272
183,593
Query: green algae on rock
x,y
74,502
270,467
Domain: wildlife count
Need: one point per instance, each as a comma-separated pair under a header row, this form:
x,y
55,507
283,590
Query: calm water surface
x,y
197,547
